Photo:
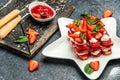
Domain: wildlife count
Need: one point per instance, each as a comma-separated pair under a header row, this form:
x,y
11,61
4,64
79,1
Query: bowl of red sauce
x,y
41,11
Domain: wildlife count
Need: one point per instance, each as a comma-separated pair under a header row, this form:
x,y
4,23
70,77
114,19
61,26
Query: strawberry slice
x,y
107,13
78,40
32,35
98,35
33,65
74,35
36,15
83,57
95,65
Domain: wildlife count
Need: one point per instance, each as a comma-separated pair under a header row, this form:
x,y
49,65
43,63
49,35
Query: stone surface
x,y
14,67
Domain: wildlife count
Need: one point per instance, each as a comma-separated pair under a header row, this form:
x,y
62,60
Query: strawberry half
x,y
33,65
95,65
107,13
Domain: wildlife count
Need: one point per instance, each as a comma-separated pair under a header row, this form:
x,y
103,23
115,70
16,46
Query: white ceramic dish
x,y
62,49
31,5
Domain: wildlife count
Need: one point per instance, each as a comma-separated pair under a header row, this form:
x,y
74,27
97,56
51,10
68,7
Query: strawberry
x,y
107,13
82,47
89,33
90,27
31,31
83,57
96,54
107,52
98,35
107,43
92,17
32,35
36,15
94,45
33,65
78,40
74,35
95,65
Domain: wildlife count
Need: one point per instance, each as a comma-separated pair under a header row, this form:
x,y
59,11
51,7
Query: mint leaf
x,y
97,28
82,35
88,69
21,39
76,22
86,15
91,22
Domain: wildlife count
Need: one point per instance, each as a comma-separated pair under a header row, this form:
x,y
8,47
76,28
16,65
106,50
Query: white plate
x,y
62,49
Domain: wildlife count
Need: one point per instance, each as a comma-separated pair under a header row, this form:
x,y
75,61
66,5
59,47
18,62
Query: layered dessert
x,y
89,37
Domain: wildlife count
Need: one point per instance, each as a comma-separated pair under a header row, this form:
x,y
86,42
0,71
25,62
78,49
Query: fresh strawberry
x,y
74,35
32,38
83,27
83,57
89,33
33,65
72,26
107,13
32,35
31,31
102,30
96,53
82,47
95,65
93,45
98,35
92,17
90,27
36,15
107,52
79,40
107,43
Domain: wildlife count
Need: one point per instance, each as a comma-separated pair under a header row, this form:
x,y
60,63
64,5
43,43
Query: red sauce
x,y
42,9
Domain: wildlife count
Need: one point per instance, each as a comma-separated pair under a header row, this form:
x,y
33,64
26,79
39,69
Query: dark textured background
x,y
14,67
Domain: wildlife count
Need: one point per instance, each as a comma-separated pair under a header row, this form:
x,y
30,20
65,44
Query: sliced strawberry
x,y
102,30
78,40
92,17
74,35
82,47
72,26
107,43
98,35
91,27
83,27
32,38
31,31
33,65
107,52
95,65
96,53
89,33
94,45
107,13
32,35
83,57
36,15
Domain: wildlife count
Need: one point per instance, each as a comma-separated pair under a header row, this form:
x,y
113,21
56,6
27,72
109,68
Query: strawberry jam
x,y
43,11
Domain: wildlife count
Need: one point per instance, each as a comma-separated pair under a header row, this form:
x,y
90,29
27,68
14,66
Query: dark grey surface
x,y
14,67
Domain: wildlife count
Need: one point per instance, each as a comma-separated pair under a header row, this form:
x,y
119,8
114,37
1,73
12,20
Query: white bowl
x,y
35,3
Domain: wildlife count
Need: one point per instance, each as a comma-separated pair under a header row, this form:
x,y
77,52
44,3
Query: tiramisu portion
x,y
89,37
